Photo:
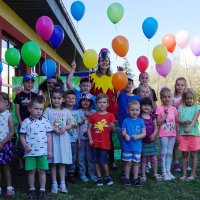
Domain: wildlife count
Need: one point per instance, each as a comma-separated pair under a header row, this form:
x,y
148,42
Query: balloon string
x,y
148,44
187,68
116,27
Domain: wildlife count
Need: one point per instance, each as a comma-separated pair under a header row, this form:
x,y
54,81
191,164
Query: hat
x,y
104,52
86,95
28,77
130,77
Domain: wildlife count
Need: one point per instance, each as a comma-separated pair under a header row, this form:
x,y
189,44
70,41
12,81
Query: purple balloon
x,y
165,68
195,45
44,27
0,81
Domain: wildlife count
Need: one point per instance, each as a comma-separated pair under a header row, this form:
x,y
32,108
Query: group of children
x,y
75,128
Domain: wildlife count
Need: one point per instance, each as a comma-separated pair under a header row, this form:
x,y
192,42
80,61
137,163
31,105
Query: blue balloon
x,y
1,67
149,27
57,36
49,68
77,10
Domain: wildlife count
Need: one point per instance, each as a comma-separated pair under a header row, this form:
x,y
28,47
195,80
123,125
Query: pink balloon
x,y
165,68
182,38
195,45
44,27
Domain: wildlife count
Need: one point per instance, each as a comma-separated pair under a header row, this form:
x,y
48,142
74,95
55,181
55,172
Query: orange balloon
x,y
170,42
120,45
119,80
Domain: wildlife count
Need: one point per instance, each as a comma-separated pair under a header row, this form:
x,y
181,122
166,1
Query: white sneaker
x,y
166,177
170,175
10,191
63,188
54,188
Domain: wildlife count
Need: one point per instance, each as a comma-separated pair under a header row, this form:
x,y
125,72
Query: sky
x,y
97,31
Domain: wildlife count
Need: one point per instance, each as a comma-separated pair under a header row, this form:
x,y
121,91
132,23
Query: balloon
x,y
149,27
120,45
170,42
115,12
1,67
195,45
142,63
159,53
57,36
182,38
165,68
49,68
12,56
31,53
90,58
77,10
119,80
44,27
0,81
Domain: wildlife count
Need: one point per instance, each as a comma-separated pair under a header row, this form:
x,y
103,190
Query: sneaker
x,y
63,188
42,195
166,177
99,181
183,178
126,182
84,178
147,169
188,166
143,178
108,180
32,194
54,188
10,191
170,175
137,182
191,178
93,178
177,167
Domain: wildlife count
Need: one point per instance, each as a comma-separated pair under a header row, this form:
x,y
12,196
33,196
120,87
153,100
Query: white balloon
x,y
182,38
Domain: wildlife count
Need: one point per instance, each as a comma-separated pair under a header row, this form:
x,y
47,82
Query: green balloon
x,y
115,12
31,53
12,56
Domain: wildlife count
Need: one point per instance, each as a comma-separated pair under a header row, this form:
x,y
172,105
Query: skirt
x,y
149,149
6,154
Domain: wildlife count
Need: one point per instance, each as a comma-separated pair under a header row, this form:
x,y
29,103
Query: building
x,y
17,26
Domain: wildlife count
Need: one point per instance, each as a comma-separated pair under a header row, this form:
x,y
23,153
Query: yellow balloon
x,y
90,58
159,54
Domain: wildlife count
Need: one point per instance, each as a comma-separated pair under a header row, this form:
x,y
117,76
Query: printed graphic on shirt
x,y
99,126
58,123
169,125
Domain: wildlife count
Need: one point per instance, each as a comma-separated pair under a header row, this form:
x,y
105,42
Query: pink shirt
x,y
168,128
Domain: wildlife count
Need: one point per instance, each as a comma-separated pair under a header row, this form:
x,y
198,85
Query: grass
x,y
84,191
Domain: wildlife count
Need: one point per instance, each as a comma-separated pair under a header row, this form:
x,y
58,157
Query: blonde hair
x,y
132,103
102,96
189,91
165,90
179,79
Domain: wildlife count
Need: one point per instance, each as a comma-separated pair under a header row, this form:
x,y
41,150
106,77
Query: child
x,y
101,123
180,86
166,120
133,130
74,132
60,119
85,148
149,142
189,132
85,86
36,140
22,101
6,146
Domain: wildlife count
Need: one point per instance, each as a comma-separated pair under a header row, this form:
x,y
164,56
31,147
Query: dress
x,y
6,154
61,143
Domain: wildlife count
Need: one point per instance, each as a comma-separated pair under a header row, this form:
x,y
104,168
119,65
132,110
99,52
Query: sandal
x,y
191,178
143,178
183,178
158,177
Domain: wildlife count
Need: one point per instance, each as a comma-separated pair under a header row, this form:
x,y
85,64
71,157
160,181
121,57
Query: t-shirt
x,y
176,102
75,121
133,127
36,135
101,129
4,128
168,128
187,113
123,101
23,99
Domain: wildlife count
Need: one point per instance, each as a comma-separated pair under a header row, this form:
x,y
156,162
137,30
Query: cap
x,y
28,77
86,95
130,77
104,52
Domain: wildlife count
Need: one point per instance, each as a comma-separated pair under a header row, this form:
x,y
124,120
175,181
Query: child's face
x,y
70,100
129,86
166,98
102,104
28,85
189,101
104,63
180,86
36,110
146,109
57,100
50,83
85,103
85,86
144,92
3,105
134,110
144,78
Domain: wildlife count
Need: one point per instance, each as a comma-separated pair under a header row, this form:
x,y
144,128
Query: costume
x,y
61,142
6,154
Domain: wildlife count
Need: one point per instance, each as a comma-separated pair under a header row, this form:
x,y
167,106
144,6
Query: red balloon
x,y
142,63
119,80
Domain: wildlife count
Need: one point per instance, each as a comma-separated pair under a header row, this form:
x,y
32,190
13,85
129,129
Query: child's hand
x,y
166,111
50,154
91,142
135,137
1,145
62,130
187,122
73,65
78,144
27,148
187,130
153,137
127,137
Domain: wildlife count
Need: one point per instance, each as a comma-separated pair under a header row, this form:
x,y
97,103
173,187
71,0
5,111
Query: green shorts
x,y
36,162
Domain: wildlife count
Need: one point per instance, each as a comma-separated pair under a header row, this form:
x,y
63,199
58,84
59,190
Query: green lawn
x,y
149,190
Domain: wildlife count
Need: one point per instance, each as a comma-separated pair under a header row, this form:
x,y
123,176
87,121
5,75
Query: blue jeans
x,y
72,167
85,153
